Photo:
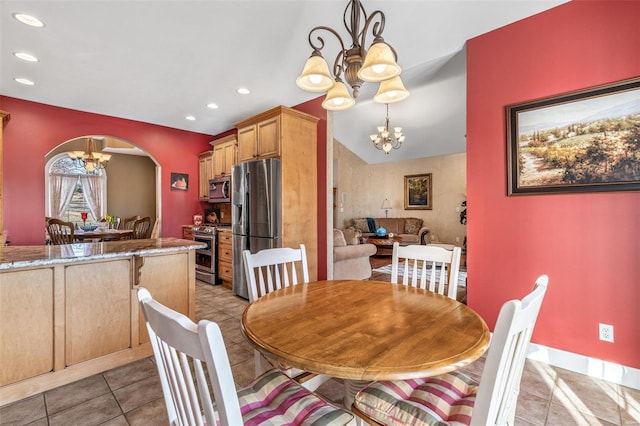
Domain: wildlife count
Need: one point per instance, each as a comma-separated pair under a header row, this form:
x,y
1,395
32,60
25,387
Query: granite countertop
x,y
29,256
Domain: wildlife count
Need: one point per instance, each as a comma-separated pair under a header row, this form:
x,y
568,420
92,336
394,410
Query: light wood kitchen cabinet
x,y
259,140
66,316
292,136
205,173
225,257
224,155
103,305
163,275
27,324
58,319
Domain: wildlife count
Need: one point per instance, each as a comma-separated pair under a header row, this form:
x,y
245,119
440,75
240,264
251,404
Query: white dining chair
x,y
273,269
456,398
183,349
429,267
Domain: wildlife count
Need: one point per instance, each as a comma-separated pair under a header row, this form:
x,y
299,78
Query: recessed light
x,y
24,81
212,105
29,20
25,56
190,118
243,91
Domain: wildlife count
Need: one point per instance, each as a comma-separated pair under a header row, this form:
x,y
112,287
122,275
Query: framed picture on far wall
x,y
179,181
417,192
582,141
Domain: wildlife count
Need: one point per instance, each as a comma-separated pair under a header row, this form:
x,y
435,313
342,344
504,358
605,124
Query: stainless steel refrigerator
x,y
255,213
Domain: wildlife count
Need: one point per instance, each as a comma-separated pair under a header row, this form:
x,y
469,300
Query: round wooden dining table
x,y
365,330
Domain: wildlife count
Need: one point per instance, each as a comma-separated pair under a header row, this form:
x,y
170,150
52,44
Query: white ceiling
x,y
158,61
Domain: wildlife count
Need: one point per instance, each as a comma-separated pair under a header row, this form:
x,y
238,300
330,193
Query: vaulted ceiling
x,y
159,61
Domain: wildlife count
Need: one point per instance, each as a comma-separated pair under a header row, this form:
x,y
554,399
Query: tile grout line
x,y
553,390
115,399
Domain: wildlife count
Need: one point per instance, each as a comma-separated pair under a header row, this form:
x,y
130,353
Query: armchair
x,y
350,258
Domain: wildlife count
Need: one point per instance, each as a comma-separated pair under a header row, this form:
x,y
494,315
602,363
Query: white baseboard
x,y
609,371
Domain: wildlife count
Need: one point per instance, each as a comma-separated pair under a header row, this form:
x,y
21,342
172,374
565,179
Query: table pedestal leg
x,y
351,388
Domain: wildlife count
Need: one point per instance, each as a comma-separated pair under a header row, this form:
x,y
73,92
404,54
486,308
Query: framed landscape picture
x,y
417,192
576,142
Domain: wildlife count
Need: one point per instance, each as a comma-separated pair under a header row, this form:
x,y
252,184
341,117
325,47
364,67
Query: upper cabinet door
x,y
205,170
224,155
229,156
269,138
218,161
260,136
247,141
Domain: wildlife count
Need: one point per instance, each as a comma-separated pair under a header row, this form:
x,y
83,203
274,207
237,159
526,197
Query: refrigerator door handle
x,y
269,201
247,227
237,212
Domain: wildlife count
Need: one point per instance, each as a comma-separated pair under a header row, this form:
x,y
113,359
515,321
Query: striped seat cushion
x,y
440,400
275,399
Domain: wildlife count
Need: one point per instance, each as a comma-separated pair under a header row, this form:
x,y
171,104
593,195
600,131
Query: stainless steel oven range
x,y
206,258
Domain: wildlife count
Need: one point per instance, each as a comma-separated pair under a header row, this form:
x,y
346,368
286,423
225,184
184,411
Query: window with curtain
x,y
72,190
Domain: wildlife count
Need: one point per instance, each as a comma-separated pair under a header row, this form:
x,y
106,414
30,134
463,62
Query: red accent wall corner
x,y
588,244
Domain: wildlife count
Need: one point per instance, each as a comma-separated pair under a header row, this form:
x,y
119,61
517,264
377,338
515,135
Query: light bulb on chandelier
x,y
386,141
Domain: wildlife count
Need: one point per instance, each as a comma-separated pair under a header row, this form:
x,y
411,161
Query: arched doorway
x,y
131,178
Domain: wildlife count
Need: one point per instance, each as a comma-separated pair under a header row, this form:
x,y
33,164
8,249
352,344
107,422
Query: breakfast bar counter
x,y
12,257
70,311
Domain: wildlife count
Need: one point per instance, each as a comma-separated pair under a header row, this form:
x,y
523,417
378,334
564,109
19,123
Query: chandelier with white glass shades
x,y
385,139
355,64
90,159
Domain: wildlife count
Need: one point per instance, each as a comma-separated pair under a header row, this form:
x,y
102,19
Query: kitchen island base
x,y
65,319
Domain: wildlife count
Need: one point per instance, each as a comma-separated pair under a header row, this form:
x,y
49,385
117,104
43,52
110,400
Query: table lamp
x,y
386,206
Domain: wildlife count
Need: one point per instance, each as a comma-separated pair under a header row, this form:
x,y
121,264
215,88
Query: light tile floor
x,y
131,395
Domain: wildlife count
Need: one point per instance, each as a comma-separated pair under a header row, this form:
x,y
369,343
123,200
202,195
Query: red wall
x,y
588,244
35,129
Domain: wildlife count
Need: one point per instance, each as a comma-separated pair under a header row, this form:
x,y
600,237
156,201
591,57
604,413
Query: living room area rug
x,y
462,275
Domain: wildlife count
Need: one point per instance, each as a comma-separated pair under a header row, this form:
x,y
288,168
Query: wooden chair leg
x,y
361,416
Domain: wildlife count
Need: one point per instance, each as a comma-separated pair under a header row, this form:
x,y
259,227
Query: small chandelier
x,y
355,64
90,159
384,139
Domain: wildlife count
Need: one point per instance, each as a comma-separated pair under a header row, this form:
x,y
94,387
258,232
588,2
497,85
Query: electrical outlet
x,y
457,239
606,332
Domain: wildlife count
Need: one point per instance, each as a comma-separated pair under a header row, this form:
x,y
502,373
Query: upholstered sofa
x,y
350,258
409,229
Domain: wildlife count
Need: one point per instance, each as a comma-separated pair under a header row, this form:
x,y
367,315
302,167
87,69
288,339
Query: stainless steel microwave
x,y
220,190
